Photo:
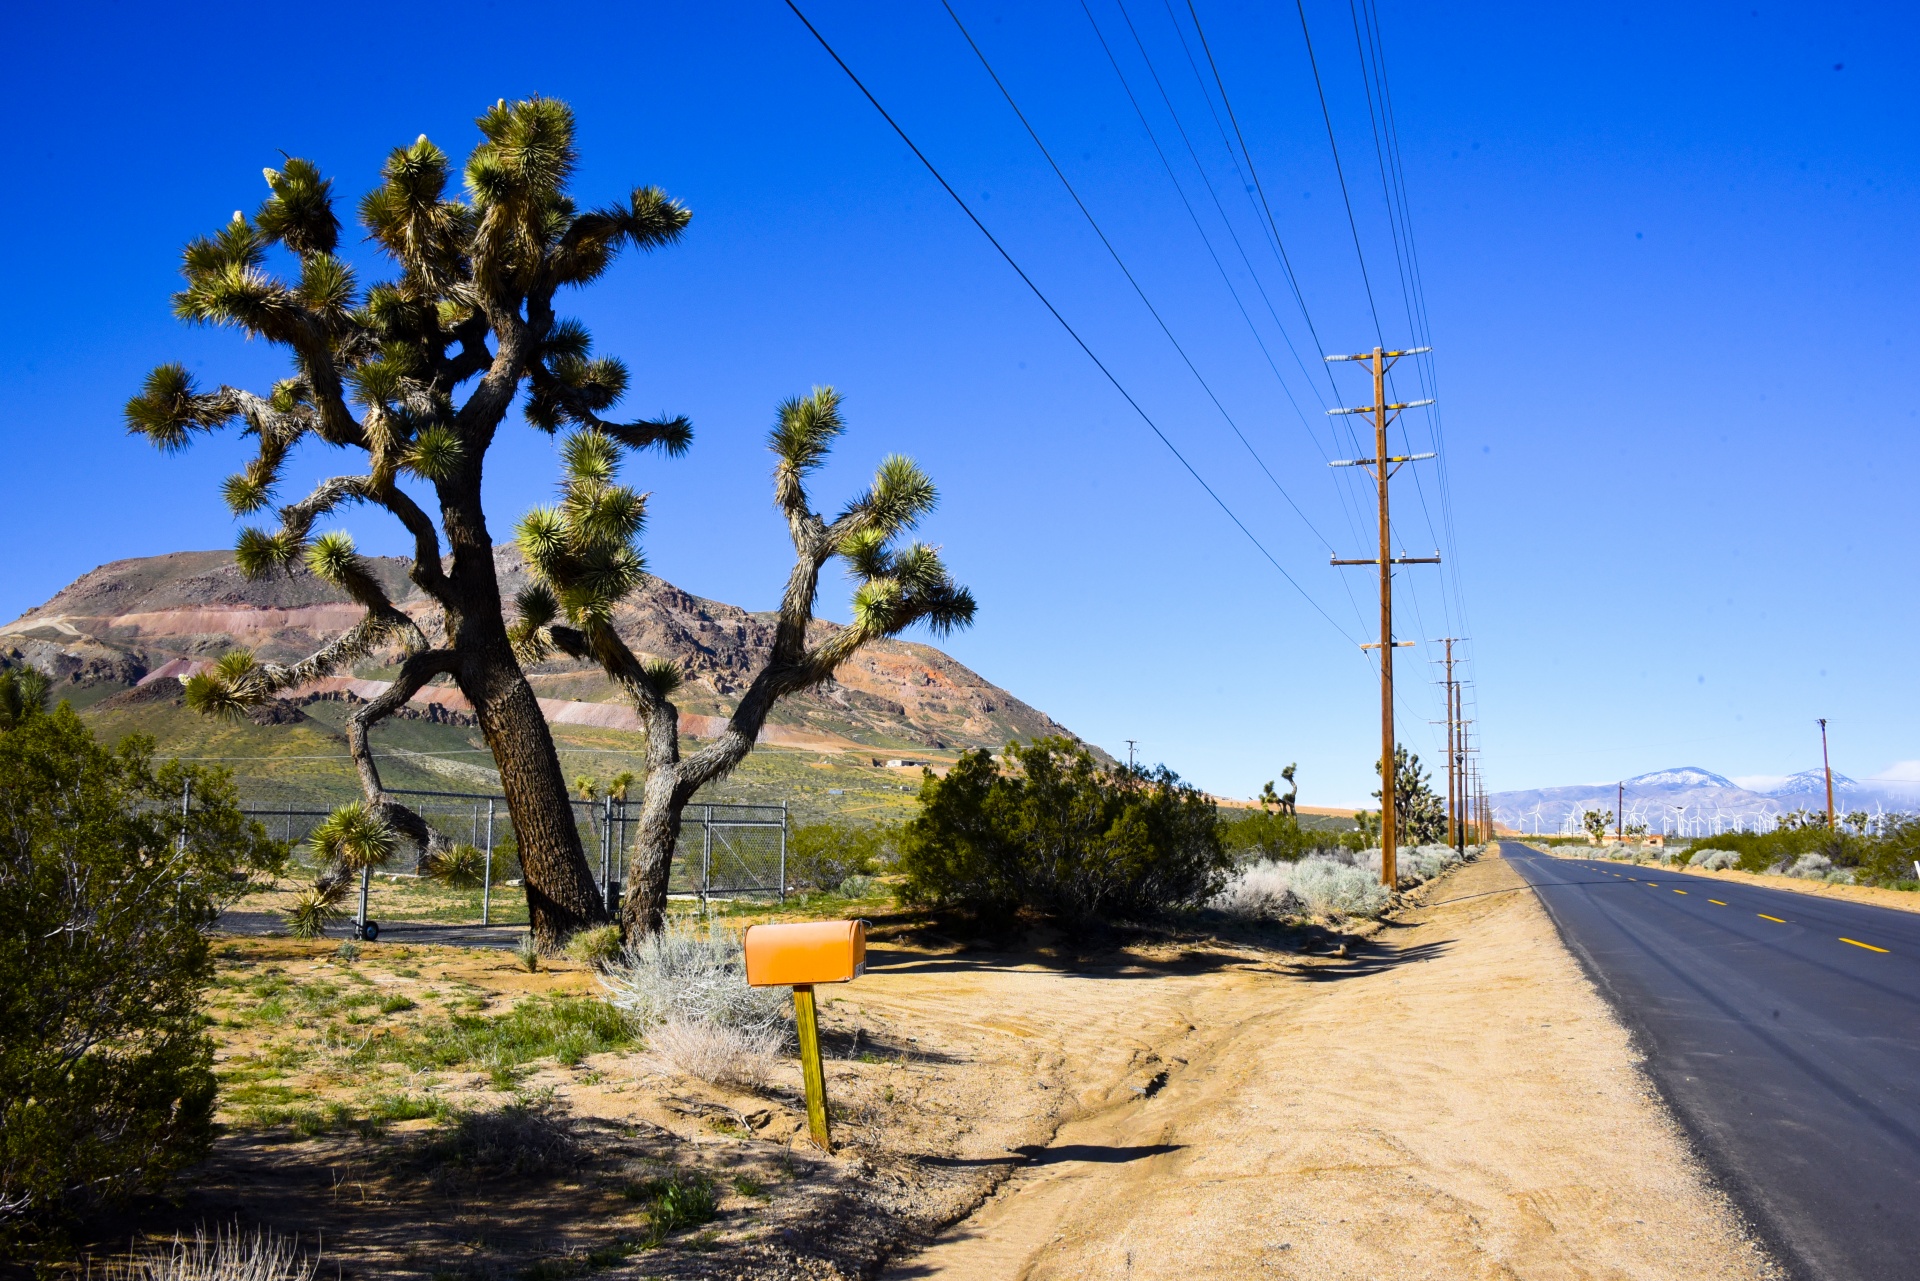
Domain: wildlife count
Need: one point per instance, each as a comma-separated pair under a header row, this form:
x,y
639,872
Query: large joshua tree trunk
x,y
381,371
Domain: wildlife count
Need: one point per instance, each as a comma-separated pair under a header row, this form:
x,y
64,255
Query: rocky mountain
x,y
163,616
1692,801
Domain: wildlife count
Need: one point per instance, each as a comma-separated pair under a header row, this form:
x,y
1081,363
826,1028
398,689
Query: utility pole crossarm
x,y
1376,353
1372,462
1374,409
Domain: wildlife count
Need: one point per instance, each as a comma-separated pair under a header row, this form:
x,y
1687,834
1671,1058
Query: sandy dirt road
x,y
1464,1107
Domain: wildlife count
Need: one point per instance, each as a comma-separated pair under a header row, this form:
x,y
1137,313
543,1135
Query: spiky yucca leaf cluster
x,y
228,688
898,586
353,838
460,866
581,550
317,906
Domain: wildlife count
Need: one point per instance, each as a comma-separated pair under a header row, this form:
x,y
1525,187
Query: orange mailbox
x,y
798,956
807,953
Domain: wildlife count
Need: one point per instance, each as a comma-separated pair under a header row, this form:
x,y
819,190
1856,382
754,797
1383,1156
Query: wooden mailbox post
x,y
799,956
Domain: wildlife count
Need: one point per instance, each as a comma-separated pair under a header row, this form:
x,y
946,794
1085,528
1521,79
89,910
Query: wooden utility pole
x,y
1620,813
1454,819
1383,466
1827,765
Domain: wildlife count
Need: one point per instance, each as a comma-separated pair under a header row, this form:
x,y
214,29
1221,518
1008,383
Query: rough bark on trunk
x,y
559,884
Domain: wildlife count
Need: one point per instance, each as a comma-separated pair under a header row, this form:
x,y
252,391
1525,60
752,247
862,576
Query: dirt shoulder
x,y
1460,1103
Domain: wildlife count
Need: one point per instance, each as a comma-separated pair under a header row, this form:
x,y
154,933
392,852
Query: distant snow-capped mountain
x,y
1685,776
1691,801
1812,782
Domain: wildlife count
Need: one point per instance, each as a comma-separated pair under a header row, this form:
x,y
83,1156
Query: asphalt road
x,y
1784,1029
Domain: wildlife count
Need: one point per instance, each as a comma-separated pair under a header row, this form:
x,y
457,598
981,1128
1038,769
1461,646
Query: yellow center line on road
x,y
1857,943
1679,891
1715,900
1763,916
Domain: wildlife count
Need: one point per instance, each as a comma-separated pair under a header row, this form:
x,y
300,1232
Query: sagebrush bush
x,y
1877,850
1055,833
1345,884
714,1052
106,889
692,974
1714,860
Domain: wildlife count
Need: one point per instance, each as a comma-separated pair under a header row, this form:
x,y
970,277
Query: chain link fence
x,y
724,851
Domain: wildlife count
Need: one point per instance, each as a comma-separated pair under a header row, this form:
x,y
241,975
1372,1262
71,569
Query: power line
x,y
1258,186
1125,271
1338,169
1343,492
1055,313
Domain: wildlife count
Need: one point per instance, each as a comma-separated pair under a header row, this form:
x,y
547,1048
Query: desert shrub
x,y
743,1056
686,985
598,947
1055,833
1331,888
1811,867
1713,860
1314,886
526,953
823,855
224,1256
106,890
1261,834
1877,851
1341,884
1259,891
856,886
692,974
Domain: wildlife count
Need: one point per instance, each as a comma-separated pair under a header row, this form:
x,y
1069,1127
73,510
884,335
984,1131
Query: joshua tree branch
x,y
414,675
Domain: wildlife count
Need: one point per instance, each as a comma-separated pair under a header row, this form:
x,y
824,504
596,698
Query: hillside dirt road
x,y
1462,1105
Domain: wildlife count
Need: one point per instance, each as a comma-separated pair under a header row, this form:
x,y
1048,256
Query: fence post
x,y
486,885
706,852
783,852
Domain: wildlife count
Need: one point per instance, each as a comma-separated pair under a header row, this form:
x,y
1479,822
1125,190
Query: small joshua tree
x,y
417,373
583,556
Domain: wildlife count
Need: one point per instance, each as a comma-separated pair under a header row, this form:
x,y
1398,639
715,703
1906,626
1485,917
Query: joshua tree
x,y
1597,822
584,559
1420,817
417,373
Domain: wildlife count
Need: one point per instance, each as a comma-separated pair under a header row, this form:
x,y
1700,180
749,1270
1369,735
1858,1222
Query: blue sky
x,y
1668,263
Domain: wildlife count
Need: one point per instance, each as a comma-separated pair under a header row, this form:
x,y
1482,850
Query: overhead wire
x,y
1121,263
1370,49
1054,311
1344,493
